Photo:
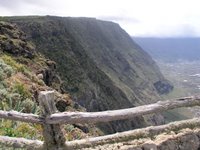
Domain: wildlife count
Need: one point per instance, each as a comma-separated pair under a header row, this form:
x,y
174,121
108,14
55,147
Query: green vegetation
x,y
15,98
6,98
12,97
73,133
22,91
11,62
14,94
19,129
23,73
100,66
5,70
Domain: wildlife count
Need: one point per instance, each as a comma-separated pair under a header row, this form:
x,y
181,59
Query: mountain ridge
x,y
99,64
171,49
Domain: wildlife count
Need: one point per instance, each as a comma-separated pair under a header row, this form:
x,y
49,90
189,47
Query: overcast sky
x,y
137,17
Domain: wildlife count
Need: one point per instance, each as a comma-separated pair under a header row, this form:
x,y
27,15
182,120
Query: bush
x,y
5,70
29,106
20,129
10,61
16,97
21,90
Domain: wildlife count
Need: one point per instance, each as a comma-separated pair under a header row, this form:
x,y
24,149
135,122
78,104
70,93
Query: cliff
x,y
23,73
100,66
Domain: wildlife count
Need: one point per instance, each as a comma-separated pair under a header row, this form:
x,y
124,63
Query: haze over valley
x,y
178,60
174,49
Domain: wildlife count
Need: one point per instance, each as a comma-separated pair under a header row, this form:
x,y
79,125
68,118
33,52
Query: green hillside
x,y
98,63
23,74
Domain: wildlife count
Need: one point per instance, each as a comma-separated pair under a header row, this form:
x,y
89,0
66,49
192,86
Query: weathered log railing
x,y
54,137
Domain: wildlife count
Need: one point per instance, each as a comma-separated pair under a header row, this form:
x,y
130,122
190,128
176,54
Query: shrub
x,y
20,129
29,106
21,90
10,61
5,70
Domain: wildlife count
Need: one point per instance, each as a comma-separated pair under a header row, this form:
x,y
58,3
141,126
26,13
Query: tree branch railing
x,y
112,115
117,137
51,122
134,134
23,117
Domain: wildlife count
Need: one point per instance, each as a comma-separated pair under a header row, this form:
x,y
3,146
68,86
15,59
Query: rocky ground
x,y
183,140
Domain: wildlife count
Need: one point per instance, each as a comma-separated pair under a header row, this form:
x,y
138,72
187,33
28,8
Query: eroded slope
x,y
100,65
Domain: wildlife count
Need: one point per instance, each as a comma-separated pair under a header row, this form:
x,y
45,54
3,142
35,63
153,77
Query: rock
x,y
185,142
61,105
156,119
51,64
91,58
40,76
13,41
163,87
84,128
149,146
137,148
189,142
168,145
49,76
62,102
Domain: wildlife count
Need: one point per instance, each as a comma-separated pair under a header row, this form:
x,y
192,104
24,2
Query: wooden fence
x,y
52,121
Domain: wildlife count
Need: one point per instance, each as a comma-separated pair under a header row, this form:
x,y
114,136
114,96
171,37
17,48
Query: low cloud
x,y
9,6
120,19
155,18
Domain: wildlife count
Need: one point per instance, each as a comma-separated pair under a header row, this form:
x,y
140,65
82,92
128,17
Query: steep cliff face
x,y
100,65
23,74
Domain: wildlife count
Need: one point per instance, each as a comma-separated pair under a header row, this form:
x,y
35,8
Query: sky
x,y
146,18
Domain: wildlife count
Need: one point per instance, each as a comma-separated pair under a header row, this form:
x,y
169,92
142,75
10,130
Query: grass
x,y
178,113
176,93
16,98
11,62
21,90
20,129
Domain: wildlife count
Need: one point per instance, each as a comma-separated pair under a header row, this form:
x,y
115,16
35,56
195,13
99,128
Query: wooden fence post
x,y
53,136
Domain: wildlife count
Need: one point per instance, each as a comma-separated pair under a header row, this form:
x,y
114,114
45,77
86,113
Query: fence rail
x,y
106,116
23,117
21,142
54,137
117,137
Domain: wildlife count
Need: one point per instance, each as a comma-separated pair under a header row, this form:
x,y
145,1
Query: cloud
x,y
137,17
7,7
15,4
188,30
9,4
120,19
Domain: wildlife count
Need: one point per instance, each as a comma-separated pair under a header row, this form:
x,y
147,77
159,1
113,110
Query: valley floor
x,y
185,76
